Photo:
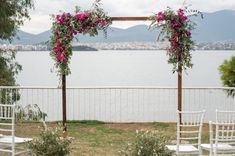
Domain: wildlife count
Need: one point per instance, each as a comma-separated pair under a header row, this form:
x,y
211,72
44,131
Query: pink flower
x,y
82,16
103,23
178,53
54,48
74,32
87,14
91,24
60,19
188,33
84,25
61,57
173,42
57,49
57,17
97,20
85,30
175,34
79,16
176,24
58,42
181,14
56,32
161,16
68,15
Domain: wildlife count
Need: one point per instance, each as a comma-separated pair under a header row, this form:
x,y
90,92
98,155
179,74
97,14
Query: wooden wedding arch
x,y
64,77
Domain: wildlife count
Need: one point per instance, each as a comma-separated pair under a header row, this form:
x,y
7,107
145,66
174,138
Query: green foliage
x,y
49,143
227,71
9,68
147,143
29,113
12,15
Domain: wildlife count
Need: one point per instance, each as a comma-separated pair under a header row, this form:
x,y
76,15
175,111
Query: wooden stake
x,y
64,105
180,89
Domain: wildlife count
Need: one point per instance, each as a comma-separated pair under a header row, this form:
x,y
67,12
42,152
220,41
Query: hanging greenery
x,y
176,27
65,26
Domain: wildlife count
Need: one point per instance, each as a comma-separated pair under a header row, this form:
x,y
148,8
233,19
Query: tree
x,y
227,71
12,15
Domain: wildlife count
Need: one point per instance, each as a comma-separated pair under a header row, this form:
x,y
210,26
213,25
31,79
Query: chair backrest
x,y
7,119
189,131
7,123
225,116
222,133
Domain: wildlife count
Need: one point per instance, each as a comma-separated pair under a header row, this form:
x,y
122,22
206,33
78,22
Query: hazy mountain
x,y
217,26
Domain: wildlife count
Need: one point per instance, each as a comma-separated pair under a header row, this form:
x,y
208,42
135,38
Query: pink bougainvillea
x,y
176,27
66,26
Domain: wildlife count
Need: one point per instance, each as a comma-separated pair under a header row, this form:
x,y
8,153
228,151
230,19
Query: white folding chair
x,y
222,134
188,133
8,140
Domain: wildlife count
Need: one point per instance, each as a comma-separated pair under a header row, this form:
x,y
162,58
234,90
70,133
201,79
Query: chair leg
x,y
211,152
215,152
200,152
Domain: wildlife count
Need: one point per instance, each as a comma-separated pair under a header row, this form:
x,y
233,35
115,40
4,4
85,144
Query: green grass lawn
x,y
93,138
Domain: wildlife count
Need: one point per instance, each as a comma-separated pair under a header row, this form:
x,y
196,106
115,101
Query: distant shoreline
x,y
124,50
120,46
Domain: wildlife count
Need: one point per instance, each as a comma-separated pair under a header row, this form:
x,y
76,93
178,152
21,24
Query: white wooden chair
x,y
8,140
188,133
222,134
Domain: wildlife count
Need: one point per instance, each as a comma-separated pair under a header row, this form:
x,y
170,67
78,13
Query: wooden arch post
x,y
64,77
64,110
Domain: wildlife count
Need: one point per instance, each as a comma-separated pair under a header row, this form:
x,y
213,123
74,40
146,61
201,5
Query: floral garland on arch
x,y
176,27
66,26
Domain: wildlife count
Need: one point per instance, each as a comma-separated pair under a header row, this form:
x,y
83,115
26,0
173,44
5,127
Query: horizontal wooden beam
x,y
129,18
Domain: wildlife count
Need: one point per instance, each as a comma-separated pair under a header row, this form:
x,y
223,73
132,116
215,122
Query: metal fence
x,y
120,104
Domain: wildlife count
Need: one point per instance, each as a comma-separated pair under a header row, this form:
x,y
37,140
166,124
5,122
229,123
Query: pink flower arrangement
x,y
176,27
66,26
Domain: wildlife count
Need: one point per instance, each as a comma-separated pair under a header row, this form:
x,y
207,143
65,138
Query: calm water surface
x,y
121,68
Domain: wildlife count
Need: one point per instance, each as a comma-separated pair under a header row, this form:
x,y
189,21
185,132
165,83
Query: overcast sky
x,y
40,16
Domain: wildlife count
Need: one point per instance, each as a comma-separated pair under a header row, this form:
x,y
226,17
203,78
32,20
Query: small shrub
x,y
49,143
147,143
29,113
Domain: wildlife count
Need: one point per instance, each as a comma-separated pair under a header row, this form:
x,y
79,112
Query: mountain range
x,y
214,27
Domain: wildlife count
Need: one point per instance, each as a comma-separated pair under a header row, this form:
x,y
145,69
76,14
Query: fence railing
x,y
120,104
